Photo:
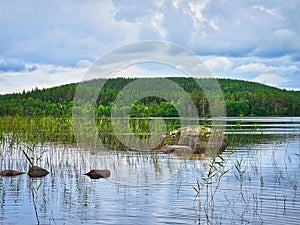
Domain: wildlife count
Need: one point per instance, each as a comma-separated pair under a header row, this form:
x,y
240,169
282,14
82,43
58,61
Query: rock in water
x,y
179,149
10,173
96,174
36,171
201,140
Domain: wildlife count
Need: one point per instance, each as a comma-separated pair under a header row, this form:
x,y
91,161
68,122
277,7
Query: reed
x,y
209,185
34,195
17,130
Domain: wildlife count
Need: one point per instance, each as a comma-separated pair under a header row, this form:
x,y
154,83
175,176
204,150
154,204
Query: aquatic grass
x,y
207,188
27,135
209,185
240,172
41,129
247,206
34,195
132,130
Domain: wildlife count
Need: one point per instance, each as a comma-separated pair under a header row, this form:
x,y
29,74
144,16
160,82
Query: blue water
x,y
147,188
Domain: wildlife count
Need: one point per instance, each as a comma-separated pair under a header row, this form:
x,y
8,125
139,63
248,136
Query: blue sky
x,y
48,43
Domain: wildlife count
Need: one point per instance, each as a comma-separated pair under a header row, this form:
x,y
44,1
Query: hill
x,y
242,98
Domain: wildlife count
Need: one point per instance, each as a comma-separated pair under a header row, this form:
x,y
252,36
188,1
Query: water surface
x,y
154,188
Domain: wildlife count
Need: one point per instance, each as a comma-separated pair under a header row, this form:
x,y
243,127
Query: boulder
x,y
96,174
196,139
10,173
36,171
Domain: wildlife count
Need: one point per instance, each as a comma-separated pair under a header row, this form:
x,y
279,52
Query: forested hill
x,y
242,98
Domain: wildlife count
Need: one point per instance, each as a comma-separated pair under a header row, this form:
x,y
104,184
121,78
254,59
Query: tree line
x,y
242,98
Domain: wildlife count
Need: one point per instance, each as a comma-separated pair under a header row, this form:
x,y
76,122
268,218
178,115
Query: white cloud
x,y
84,63
218,63
196,12
175,3
251,68
262,68
214,25
157,22
62,32
271,11
150,69
231,28
271,79
44,76
246,39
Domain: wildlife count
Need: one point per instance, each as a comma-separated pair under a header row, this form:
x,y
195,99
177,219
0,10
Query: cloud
x,y
157,23
242,38
271,79
280,72
61,33
218,63
262,68
44,76
83,63
15,66
64,33
241,29
150,69
271,11
251,68
175,3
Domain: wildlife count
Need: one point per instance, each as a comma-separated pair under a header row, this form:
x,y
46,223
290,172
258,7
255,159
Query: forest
x,y
242,98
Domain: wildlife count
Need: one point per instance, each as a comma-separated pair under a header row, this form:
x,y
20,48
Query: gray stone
x,y
97,174
10,173
36,171
197,140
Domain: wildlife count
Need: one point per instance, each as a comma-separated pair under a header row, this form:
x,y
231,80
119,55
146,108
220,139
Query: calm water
x,y
147,188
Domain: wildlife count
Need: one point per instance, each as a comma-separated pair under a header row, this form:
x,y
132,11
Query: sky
x,y
49,43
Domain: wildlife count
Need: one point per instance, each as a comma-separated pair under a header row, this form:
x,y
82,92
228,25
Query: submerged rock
x,y
36,171
96,174
196,140
10,173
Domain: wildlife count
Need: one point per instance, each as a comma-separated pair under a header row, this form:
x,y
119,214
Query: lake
x,y
255,181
